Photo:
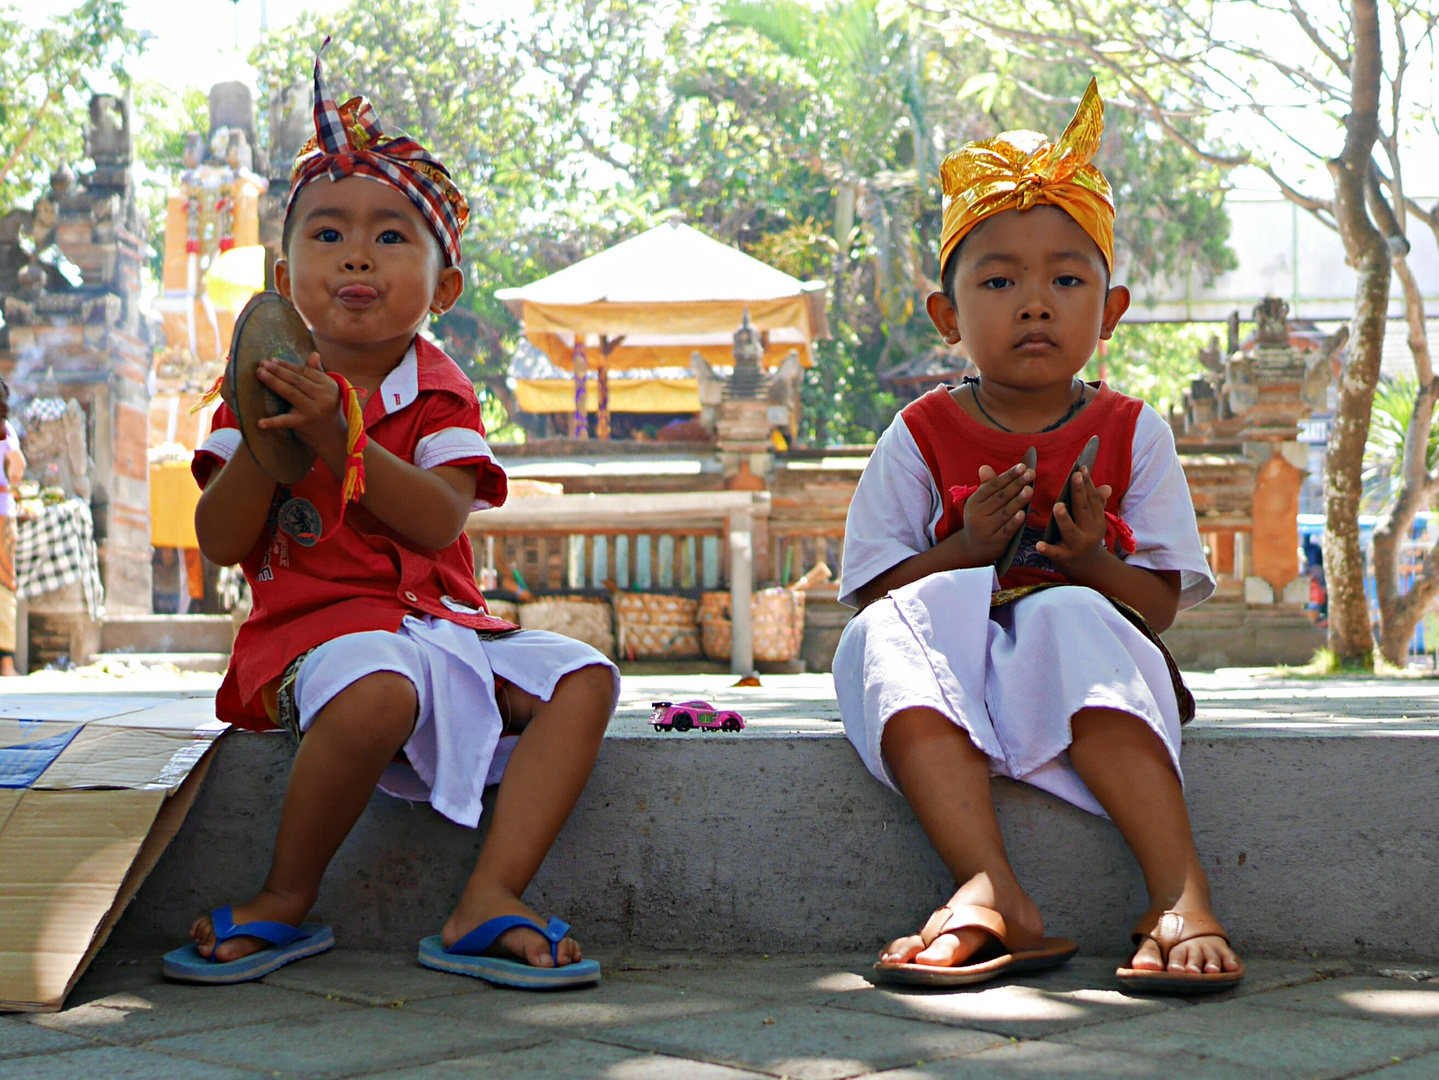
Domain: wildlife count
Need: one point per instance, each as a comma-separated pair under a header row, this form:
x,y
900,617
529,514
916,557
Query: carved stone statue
x,y
237,151
711,388
748,380
107,135
291,123
231,107
55,447
1271,323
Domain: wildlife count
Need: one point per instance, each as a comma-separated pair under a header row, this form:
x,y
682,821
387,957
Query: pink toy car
x,y
668,716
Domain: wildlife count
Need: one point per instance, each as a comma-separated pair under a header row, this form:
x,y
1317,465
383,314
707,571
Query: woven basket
x,y
657,627
504,609
580,617
776,624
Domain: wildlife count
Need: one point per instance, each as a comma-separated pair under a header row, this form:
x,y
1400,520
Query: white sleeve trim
x,y
451,444
455,444
222,443
892,514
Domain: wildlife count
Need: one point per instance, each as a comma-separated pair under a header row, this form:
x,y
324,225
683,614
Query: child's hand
x,y
314,405
992,515
1083,530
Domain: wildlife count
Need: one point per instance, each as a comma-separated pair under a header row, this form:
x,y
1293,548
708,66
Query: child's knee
x,y
381,706
593,689
920,728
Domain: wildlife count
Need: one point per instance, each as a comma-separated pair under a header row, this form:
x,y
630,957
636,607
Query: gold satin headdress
x,y
1019,169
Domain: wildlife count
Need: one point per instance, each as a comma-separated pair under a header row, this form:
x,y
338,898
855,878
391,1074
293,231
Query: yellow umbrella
x,y
235,276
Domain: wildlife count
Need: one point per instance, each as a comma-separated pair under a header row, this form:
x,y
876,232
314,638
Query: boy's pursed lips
x,y
1035,338
357,295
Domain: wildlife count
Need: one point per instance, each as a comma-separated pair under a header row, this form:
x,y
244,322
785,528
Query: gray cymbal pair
x,y
1052,535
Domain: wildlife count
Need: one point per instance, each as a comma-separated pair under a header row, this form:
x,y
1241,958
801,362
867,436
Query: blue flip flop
x,y
287,943
463,957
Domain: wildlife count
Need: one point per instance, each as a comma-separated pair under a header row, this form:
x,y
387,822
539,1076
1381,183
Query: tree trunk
x,y
1400,614
1350,636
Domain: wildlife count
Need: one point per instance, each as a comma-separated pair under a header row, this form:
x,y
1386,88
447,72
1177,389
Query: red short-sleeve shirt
x,y
364,575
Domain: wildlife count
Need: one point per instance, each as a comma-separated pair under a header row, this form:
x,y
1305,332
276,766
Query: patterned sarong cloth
x,y
58,549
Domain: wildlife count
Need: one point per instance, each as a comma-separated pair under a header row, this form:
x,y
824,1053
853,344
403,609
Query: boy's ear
x,y
1115,305
447,290
282,278
945,318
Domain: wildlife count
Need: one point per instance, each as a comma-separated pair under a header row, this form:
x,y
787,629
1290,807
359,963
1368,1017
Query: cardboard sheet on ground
x,y
91,793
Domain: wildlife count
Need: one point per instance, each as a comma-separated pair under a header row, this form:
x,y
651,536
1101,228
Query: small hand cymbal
x,y
269,327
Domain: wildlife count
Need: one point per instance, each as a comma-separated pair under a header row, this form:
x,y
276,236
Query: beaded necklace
x,y
972,382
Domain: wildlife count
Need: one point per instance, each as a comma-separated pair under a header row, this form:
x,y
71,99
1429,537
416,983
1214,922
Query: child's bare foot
x,y
951,950
520,943
266,907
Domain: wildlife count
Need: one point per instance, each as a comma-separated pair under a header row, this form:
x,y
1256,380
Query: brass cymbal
x,y
268,327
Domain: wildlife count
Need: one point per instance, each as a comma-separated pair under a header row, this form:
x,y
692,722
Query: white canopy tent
x,y
657,298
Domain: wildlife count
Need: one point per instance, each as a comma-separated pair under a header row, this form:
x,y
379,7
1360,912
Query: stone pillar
x,y
742,423
741,591
745,452
1273,390
1276,503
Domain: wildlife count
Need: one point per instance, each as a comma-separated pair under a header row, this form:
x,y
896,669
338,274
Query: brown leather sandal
x,y
1166,931
1012,951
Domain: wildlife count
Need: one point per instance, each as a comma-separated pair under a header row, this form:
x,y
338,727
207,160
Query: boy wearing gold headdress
x,y
1051,671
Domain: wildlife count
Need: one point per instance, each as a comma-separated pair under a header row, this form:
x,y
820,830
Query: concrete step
x,y
167,633
1303,798
185,661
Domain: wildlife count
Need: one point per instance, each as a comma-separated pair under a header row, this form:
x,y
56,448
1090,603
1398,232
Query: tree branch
x,y
1317,37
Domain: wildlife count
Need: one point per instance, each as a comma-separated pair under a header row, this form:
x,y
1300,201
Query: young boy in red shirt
x,y
369,637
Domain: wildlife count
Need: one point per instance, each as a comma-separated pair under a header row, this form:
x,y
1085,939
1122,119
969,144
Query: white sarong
x,y
457,748
1012,682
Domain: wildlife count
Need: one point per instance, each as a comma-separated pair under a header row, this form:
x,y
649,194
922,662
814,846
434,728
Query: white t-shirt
x,y
7,497
897,505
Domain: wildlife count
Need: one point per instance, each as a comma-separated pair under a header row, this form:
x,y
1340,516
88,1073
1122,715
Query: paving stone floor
x,y
659,1016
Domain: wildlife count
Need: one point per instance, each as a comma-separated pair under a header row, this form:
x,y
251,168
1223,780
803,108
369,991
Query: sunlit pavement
x,y
373,1014
670,1014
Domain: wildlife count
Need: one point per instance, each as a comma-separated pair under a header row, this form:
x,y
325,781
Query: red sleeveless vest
x,y
954,445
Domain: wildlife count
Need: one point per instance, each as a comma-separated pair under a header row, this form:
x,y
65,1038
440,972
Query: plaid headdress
x,y
1019,169
348,141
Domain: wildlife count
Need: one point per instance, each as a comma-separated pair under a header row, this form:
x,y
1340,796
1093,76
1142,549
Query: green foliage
x,y
1153,361
1384,450
1327,664
453,84
806,133
45,90
496,418
1171,218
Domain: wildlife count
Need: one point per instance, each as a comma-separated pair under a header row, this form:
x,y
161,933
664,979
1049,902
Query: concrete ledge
x,y
167,633
783,843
